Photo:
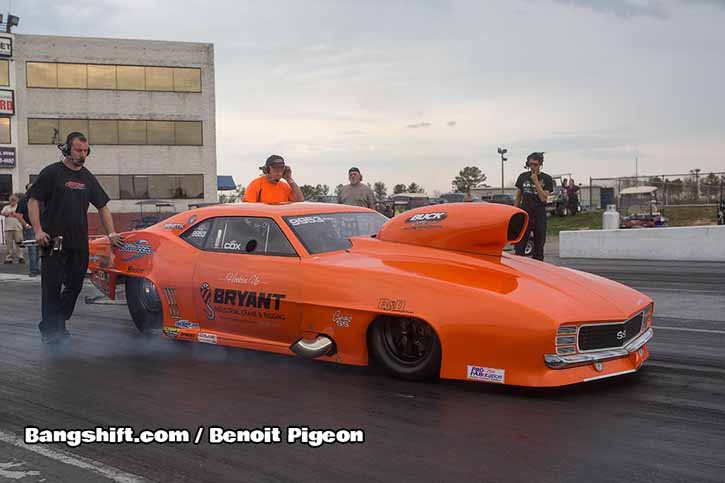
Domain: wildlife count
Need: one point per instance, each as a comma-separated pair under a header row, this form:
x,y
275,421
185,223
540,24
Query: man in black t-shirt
x,y
534,188
65,189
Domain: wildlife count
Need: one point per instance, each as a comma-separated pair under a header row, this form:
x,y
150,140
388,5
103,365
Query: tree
x,y
469,177
415,188
380,190
323,190
308,191
338,189
400,188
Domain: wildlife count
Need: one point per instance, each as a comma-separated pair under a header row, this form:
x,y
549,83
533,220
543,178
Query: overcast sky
x,y
416,90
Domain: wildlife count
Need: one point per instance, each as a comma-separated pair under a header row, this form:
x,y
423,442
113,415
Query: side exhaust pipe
x,y
321,346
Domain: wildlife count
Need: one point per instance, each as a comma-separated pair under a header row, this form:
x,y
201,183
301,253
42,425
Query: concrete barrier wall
x,y
693,243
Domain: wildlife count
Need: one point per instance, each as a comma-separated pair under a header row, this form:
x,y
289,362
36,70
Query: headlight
x,y
647,316
566,339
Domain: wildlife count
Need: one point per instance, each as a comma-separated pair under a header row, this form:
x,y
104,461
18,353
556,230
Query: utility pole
x,y
502,151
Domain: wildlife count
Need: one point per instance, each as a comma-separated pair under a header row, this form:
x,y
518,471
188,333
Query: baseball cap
x,y
353,170
274,160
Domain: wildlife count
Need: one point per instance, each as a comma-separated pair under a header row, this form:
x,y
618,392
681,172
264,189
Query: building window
x,y
4,73
117,131
188,133
5,130
42,74
112,77
131,132
159,79
43,131
72,76
102,76
187,80
68,126
160,132
103,131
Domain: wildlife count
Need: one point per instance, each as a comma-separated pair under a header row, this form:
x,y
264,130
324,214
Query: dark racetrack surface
x,y
664,423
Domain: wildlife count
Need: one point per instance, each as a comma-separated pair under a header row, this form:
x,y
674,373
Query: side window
x,y
197,234
249,235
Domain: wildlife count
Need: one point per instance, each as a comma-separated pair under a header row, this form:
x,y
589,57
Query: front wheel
x,y
409,348
144,305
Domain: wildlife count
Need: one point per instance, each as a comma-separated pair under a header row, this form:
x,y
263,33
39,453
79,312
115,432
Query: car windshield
x,y
327,232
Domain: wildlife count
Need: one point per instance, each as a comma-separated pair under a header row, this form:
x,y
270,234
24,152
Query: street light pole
x,y
502,151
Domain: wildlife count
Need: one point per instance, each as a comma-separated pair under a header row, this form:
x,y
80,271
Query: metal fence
x,y
672,189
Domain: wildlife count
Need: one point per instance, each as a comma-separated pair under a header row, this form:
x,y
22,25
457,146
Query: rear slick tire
x,y
144,305
408,348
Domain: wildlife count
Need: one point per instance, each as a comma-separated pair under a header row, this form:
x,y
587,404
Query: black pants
x,y
62,280
537,225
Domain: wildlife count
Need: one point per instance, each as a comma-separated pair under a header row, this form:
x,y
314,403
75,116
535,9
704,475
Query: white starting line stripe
x,y
106,471
684,329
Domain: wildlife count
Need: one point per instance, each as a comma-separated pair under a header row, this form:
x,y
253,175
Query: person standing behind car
x,y
65,188
271,187
13,231
356,193
534,188
29,234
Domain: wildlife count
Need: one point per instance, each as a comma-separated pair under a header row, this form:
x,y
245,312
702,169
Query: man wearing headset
x,y
65,188
534,188
275,185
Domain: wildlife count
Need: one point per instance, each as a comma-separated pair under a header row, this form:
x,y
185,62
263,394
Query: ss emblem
x,y
621,334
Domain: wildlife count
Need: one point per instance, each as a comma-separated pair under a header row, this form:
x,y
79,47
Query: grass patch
x,y
586,220
686,216
592,220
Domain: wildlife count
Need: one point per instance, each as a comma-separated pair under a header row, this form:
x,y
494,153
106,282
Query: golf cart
x,y
638,208
163,210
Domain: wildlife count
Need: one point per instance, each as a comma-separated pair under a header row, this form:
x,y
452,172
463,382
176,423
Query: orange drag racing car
x,y
429,293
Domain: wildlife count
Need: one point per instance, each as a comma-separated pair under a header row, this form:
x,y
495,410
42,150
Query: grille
x,y
609,336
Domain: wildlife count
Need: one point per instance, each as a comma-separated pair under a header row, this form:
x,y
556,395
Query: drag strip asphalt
x,y
663,423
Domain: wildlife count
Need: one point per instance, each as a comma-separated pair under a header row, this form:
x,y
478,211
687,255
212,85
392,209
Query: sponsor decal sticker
x,y
198,233
171,332
305,220
191,220
341,320
393,305
241,279
206,298
206,338
233,245
174,226
186,324
135,250
135,269
421,218
487,374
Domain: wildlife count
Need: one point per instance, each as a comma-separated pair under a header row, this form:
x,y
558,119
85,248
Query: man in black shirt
x,y
65,189
534,188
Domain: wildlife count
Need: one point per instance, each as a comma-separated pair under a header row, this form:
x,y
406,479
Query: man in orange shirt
x,y
270,188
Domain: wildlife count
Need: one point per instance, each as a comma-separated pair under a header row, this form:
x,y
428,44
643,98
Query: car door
x,y
247,280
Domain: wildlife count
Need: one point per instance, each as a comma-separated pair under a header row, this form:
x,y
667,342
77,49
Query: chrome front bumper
x,y
554,361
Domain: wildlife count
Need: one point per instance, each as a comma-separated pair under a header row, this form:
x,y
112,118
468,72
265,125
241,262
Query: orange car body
x,y
500,318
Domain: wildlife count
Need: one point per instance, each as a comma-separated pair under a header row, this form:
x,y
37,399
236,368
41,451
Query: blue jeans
x,y
33,259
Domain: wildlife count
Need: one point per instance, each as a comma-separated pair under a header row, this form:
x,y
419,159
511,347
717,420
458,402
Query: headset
x,y
66,148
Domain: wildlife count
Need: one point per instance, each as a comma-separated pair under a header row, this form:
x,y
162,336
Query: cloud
x,y
418,125
621,8
451,123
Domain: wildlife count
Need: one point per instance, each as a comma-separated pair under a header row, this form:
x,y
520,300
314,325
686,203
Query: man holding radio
x,y
534,187
270,187
65,188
